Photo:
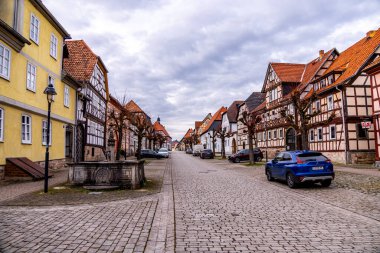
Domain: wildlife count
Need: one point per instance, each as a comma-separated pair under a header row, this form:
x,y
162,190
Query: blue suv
x,y
300,166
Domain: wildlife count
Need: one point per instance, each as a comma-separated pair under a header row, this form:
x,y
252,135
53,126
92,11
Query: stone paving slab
x,y
220,209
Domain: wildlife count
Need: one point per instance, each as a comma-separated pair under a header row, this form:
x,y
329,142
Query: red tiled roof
x,y
217,117
188,133
288,72
81,61
313,67
133,107
160,128
351,60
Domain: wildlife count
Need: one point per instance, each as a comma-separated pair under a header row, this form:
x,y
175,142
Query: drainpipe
x,y
344,124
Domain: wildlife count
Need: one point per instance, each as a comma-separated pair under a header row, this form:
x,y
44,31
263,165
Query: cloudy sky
x,y
183,59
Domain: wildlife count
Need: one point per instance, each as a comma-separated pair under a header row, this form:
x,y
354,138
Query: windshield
x,y
310,157
163,150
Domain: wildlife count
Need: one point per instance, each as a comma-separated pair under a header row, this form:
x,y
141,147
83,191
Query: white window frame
x,y
275,134
269,135
53,46
35,28
281,134
1,124
317,105
66,96
311,135
331,138
30,85
44,133
27,127
330,105
320,128
5,63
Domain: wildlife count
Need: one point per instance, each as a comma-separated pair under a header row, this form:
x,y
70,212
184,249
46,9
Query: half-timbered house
x,y
254,100
209,132
88,69
373,70
274,133
161,130
345,89
229,125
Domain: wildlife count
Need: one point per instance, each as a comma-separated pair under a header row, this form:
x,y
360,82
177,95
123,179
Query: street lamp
x,y
50,92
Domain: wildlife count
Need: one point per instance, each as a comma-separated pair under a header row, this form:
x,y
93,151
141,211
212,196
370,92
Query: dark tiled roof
x,y
232,111
254,100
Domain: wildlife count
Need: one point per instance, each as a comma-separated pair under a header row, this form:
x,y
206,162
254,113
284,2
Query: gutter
x,y
344,125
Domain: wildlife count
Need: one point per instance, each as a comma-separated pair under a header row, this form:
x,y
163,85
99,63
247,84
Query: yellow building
x,y
31,56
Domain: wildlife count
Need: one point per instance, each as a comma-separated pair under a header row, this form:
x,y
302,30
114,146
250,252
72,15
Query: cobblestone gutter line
x,y
162,234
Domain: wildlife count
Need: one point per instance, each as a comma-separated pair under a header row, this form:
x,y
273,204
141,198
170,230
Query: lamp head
x,y
50,92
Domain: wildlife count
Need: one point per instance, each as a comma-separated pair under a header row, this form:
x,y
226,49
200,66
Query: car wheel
x,y
258,159
291,180
326,183
237,160
269,175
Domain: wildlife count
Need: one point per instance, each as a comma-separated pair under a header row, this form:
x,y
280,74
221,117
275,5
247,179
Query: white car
x,y
164,152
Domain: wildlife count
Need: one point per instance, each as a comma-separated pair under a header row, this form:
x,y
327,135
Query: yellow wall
x,y
12,146
15,88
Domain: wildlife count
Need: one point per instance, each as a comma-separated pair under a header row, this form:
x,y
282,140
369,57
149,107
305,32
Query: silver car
x,y
164,152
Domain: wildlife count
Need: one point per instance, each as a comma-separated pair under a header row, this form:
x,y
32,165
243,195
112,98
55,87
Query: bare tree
x,y
141,124
118,119
223,134
250,121
151,136
213,136
303,111
195,138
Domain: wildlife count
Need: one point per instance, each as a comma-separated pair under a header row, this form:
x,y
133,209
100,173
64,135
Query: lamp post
x,y
50,92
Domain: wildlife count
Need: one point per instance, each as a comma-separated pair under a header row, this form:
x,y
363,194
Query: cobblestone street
x,y
204,206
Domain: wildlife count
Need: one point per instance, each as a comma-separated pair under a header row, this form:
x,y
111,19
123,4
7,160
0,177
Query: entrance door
x,y
79,147
291,139
233,146
69,142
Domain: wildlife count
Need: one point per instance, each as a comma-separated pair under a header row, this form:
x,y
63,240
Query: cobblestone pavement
x,y
227,208
118,226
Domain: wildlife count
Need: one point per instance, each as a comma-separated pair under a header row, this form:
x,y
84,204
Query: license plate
x,y
318,168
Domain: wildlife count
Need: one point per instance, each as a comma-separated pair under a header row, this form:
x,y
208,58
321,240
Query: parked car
x,y
298,167
164,152
207,153
197,150
148,153
189,151
243,155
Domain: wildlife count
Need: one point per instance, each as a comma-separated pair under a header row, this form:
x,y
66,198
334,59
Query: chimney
x,y
370,34
321,53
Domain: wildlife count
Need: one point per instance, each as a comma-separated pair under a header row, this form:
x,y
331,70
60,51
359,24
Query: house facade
x,y
31,54
214,124
161,130
229,124
89,70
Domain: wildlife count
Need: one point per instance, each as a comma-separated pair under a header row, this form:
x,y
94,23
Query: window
x,y
310,110
275,134
362,133
330,102
281,133
320,134
31,74
66,98
332,132
311,134
26,129
286,157
291,109
316,86
259,136
318,105
1,124
323,83
34,28
44,133
5,59
269,135
53,46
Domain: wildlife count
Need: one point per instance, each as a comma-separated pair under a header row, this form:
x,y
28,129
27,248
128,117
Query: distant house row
x,y
333,99
35,50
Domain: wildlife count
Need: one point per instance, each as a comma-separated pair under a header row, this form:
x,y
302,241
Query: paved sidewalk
x,y
368,172
11,191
